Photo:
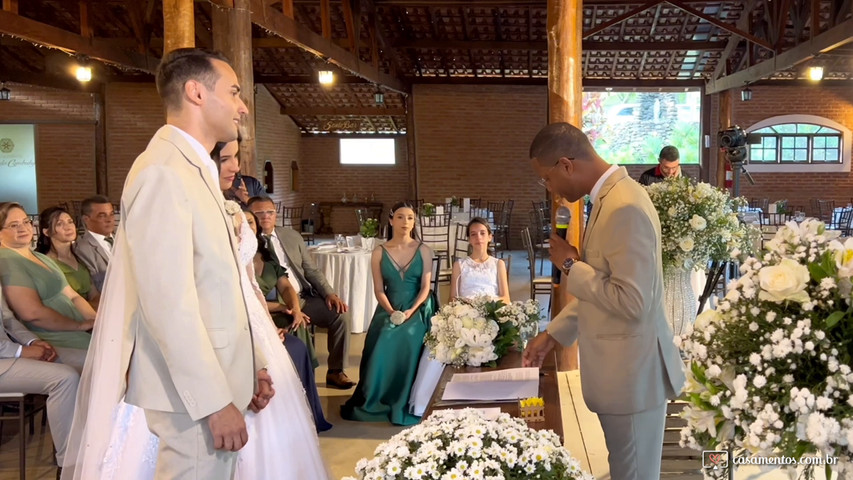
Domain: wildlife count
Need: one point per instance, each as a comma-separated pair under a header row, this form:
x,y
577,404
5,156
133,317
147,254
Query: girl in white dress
x,y
480,273
110,438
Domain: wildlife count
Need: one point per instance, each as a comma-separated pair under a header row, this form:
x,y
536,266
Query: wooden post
x,y
725,122
411,155
232,35
178,25
101,166
565,104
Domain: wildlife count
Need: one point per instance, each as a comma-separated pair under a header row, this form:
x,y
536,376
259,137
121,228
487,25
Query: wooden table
x,y
548,390
324,209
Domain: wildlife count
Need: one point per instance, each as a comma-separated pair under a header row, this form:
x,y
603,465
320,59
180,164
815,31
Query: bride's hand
x,y
281,333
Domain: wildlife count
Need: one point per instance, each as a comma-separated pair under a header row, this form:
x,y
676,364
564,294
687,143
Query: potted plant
x,y
369,230
428,210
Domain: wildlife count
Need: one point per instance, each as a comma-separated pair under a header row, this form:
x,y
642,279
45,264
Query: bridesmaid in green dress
x,y
36,290
58,234
389,362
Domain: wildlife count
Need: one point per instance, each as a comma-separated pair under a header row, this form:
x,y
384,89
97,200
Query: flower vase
x,y
368,243
679,299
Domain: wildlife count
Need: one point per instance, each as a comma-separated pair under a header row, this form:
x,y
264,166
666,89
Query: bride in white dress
x,y
110,438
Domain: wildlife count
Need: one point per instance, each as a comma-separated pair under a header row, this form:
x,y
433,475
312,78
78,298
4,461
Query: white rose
x,y
686,244
706,318
698,223
785,281
671,211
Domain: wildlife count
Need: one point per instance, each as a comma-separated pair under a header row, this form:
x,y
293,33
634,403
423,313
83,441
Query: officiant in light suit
x,y
628,363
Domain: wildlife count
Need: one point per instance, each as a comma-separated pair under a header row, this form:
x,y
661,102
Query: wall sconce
x,y
5,93
83,72
816,73
326,77
745,94
379,97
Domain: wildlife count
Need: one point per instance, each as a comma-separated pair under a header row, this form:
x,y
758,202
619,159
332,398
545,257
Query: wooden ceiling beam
x,y
287,28
500,3
587,82
356,111
11,6
621,18
49,80
50,36
834,37
743,24
588,45
721,24
308,79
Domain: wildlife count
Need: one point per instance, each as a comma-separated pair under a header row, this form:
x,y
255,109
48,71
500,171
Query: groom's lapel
x,y
597,203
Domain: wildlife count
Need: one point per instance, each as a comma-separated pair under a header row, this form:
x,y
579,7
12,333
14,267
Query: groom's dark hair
x,y
182,65
560,140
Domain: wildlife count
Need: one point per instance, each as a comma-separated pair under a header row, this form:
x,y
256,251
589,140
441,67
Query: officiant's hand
x,y
561,250
536,350
228,428
265,392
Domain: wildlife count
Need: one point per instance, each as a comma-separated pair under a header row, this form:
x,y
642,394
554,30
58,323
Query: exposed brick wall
x,y
834,103
278,141
134,113
473,141
65,139
323,178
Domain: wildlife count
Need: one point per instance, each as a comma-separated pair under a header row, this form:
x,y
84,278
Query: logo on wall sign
x,y
6,145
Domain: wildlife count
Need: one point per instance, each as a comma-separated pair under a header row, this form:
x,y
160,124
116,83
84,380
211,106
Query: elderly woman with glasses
x,y
37,292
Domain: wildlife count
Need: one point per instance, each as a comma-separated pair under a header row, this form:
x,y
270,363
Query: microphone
x,y
561,220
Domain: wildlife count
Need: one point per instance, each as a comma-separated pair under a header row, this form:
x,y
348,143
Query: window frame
x,y
780,166
393,141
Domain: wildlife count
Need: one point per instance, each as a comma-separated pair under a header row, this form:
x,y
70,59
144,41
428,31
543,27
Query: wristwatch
x,y
567,265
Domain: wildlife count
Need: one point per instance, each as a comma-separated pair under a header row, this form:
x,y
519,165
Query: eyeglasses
x,y
265,213
543,182
19,226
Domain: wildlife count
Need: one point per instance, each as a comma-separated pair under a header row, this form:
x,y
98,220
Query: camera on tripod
x,y
733,141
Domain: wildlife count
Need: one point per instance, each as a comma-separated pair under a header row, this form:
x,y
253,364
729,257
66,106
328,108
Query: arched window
x,y
799,143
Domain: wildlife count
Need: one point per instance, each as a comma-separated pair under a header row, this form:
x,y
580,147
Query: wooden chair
x,y
22,407
762,203
825,209
540,232
502,228
538,285
435,232
308,236
291,217
462,249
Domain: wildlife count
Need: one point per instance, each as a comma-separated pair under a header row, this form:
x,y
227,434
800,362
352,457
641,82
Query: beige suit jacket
x,y
186,319
93,256
628,361
13,334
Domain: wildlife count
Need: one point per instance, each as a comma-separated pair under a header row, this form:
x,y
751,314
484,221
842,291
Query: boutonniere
x,y
232,208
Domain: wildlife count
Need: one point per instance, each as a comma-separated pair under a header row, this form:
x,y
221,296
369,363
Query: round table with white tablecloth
x,y
350,275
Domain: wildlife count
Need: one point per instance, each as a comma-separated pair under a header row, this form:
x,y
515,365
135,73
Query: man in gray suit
x,y
26,367
319,300
94,248
629,364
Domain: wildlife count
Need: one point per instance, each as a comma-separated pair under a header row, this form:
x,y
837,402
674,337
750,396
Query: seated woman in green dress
x,y
36,290
395,338
56,240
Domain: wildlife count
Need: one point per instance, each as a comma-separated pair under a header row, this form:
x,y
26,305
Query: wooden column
x,y
178,25
411,155
232,35
565,104
101,182
725,122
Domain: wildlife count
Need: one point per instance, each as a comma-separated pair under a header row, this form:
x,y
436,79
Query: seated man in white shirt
x,y
26,366
94,248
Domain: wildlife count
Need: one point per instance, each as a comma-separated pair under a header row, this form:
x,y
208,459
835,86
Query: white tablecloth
x,y
350,276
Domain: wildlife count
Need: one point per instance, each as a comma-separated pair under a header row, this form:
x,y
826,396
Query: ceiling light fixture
x,y
816,73
326,77
379,97
745,94
83,72
5,93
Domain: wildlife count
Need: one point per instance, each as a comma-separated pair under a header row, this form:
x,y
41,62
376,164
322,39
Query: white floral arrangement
x,y
398,317
479,331
465,444
233,209
699,223
769,371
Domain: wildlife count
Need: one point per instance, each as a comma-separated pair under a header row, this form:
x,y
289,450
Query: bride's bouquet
x,y
479,331
467,444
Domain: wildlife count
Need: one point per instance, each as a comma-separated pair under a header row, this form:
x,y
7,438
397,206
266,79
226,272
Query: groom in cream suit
x,y
192,368
628,362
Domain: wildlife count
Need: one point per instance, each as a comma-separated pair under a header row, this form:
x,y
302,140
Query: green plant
x,y
369,228
428,210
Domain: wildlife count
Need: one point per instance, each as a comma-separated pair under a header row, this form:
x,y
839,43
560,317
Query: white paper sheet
x,y
509,384
490,413
506,375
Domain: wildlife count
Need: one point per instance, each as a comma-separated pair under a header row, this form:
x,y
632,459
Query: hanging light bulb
x,y
83,73
5,93
746,94
816,73
326,77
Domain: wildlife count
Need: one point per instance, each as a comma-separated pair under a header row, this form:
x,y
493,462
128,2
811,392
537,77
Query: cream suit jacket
x,y
628,361
186,315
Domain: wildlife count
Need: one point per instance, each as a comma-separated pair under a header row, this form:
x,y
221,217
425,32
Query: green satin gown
x,y
389,362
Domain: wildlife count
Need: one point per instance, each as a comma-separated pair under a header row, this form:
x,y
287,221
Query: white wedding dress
x,y
283,441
